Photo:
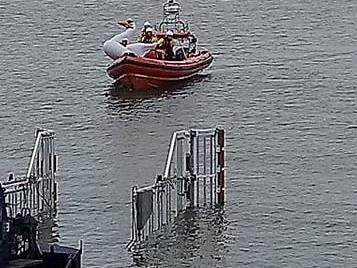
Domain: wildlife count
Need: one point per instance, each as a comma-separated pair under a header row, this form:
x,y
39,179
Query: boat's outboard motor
x,y
4,232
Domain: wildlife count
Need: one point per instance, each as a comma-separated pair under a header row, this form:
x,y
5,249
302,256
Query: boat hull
x,y
141,73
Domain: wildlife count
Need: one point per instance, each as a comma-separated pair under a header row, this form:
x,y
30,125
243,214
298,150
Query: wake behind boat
x,y
145,66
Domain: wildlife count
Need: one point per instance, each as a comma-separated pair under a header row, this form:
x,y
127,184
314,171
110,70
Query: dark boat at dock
x,y
19,247
26,203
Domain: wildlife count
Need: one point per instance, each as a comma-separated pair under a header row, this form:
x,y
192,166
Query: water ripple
x,y
283,84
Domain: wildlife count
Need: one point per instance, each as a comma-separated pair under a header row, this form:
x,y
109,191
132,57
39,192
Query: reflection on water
x,y
48,231
196,240
117,91
129,104
283,84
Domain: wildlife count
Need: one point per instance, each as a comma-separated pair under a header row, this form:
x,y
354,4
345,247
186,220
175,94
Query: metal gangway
x,y
171,18
35,194
194,176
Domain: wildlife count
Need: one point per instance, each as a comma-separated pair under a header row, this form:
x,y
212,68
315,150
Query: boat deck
x,y
22,263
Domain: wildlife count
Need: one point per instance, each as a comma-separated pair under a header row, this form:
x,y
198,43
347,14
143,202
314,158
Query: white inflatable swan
x,y
114,48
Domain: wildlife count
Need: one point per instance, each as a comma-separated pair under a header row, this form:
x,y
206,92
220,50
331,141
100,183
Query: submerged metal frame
x,y
36,192
193,177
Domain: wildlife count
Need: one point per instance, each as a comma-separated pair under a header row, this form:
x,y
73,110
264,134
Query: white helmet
x,y
169,33
149,29
147,24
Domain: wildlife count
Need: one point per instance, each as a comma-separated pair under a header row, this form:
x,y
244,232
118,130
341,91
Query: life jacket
x,y
148,39
167,46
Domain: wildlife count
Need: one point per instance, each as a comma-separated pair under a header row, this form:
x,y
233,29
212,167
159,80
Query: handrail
x,y
35,149
171,152
210,131
147,188
14,183
33,157
170,155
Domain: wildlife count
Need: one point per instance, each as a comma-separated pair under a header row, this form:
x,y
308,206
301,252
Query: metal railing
x,y
36,193
193,177
171,18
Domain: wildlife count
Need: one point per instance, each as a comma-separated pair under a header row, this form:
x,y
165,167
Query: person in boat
x,y
149,37
119,46
167,44
143,30
146,25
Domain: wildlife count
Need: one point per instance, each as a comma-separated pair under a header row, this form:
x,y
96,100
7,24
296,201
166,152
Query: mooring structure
x,y
35,193
194,176
24,203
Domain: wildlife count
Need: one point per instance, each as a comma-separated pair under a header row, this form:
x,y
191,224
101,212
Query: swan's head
x,y
128,23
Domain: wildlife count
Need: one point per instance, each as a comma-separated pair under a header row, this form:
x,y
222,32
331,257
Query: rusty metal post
x,y
134,230
187,188
55,197
220,193
193,170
